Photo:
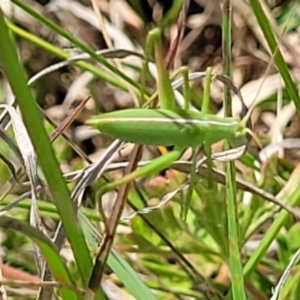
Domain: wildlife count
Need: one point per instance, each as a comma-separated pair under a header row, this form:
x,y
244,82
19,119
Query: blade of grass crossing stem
x,y
236,270
32,120
266,28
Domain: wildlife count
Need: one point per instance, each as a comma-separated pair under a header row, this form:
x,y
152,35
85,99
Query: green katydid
x,y
167,126
161,127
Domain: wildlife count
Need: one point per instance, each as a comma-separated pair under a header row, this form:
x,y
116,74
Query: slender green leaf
x,y
266,28
54,261
33,121
74,41
236,270
118,264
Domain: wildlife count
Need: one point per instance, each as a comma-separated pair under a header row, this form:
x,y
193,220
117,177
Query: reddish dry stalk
x,y
175,44
112,222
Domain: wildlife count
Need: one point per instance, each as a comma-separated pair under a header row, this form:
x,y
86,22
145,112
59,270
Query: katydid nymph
x,y
167,126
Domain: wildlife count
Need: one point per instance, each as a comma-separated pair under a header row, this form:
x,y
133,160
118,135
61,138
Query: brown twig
x,y
175,44
112,223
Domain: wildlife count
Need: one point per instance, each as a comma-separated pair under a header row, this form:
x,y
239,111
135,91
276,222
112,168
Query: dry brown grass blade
x,y
87,176
28,154
59,131
96,169
112,223
180,28
68,121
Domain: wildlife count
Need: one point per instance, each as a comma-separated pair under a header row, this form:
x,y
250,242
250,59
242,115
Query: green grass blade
x,y
237,281
49,164
156,165
206,93
193,180
54,261
235,263
105,76
278,58
186,87
129,277
171,15
165,90
293,199
118,264
75,42
273,231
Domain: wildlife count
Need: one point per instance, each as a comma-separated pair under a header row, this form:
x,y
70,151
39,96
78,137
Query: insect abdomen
x,y
164,127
